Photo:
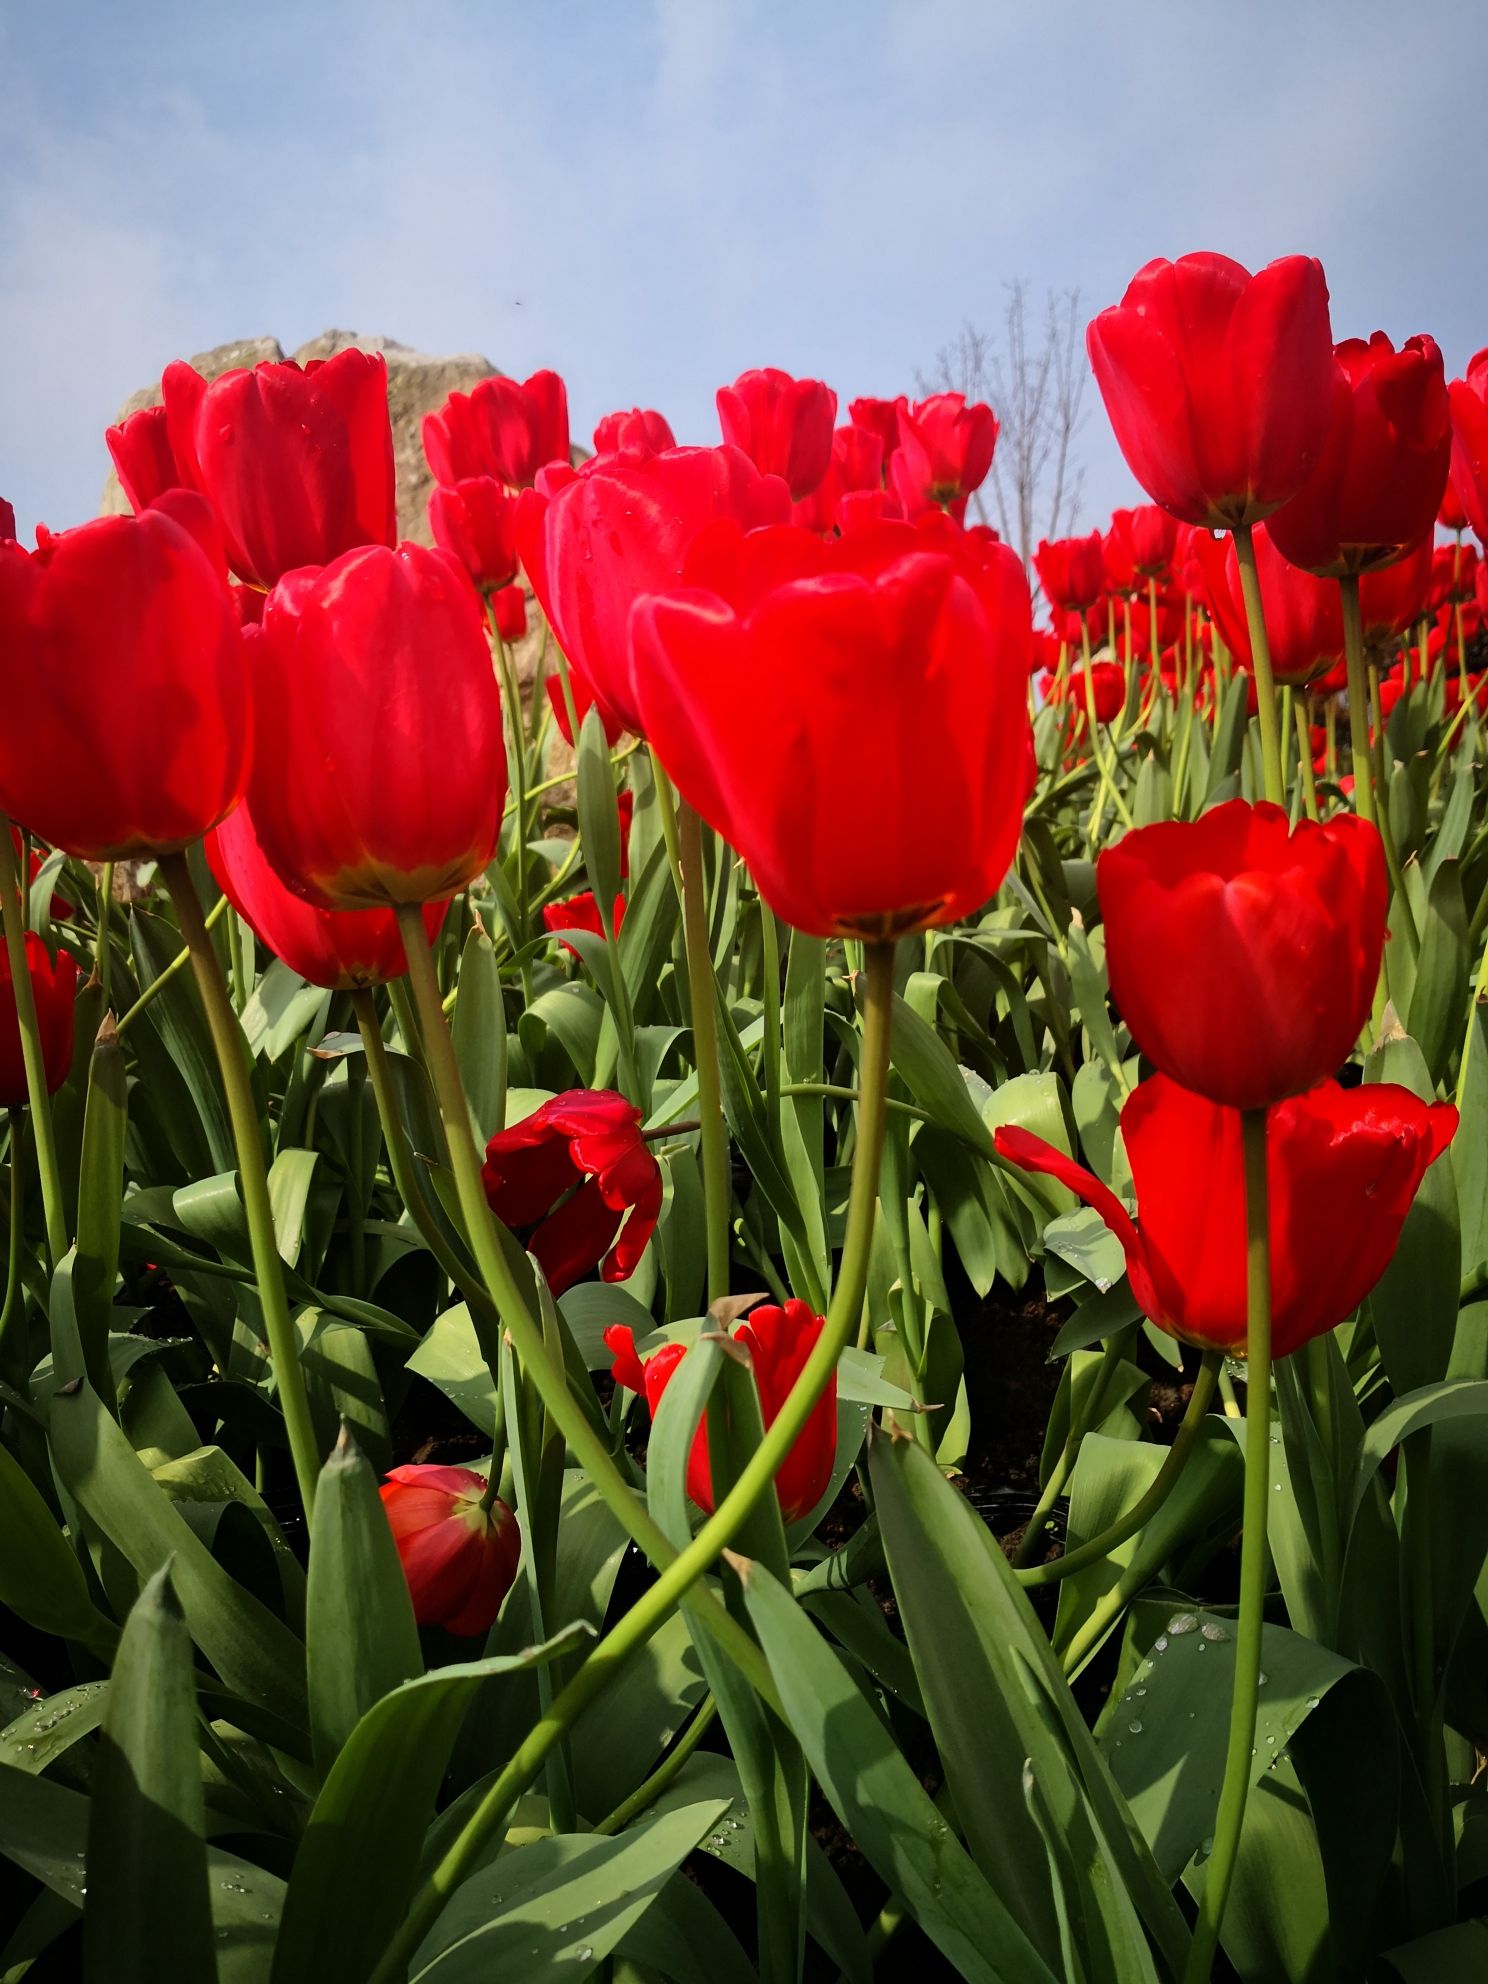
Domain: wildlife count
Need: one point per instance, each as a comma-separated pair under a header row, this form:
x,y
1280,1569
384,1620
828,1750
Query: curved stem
x,y
1087,1415
1260,654
227,1038
1143,1511
852,1095
1358,697
1230,1817
31,1054
173,970
661,1777
705,1048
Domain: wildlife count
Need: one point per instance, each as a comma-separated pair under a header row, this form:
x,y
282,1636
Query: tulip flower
x,y
589,1139
499,428
1378,484
944,453
53,987
1392,600
143,458
476,522
635,436
592,542
1218,383
1304,617
890,675
1451,515
1469,403
1150,536
296,463
459,1557
1343,1166
1108,684
343,950
880,417
855,470
509,605
7,522
129,725
1072,571
784,425
778,1341
381,771
1243,958
1454,571
580,912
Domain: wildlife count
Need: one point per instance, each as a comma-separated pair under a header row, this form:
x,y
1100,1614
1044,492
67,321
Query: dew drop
x,y
1182,1622
1162,1645
584,1955
1313,1700
1207,1848
1135,1728
1211,1631
1271,1740
1261,1680
1139,1691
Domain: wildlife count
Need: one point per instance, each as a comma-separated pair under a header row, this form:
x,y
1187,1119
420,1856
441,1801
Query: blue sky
x,y
653,196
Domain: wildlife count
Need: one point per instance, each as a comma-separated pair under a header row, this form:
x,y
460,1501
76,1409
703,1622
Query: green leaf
x,y
176,1015
290,1176
40,1578
1458,1955
1469,1148
573,1014
683,1936
341,1382
599,817
1084,1240
645,938
1453,1399
882,1803
590,1308
935,1081
974,1205
148,1913
1276,1922
479,1034
1229,739
356,1863
450,1357
1347,1755
282,1006
558,1907
1440,991
361,1637
1414,1303
100,1183
47,1729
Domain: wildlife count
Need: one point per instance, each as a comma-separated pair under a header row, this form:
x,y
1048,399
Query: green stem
x,y
851,1095
1260,654
1230,1817
1088,1415
770,1060
1304,748
705,1049
15,1362
516,762
648,1793
1320,1398
1142,1513
682,1571
31,1054
1358,696
173,970
104,952
227,1038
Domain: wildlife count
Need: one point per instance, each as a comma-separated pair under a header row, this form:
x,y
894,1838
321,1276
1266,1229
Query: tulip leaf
x,y
100,1182
1440,990
573,1013
973,1203
1455,1398
934,1080
1458,1955
683,1936
450,1357
40,1577
148,1912
1414,1303
479,1034
342,1385
599,816
357,1860
177,1016
645,938
1229,738
280,1009
1469,1149
47,1729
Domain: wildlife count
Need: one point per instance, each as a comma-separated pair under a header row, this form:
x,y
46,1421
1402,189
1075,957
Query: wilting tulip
x,y
143,457
635,436
1304,617
354,809
1072,571
592,542
460,1559
778,1341
587,1138
476,522
344,950
579,912
1469,403
1379,482
499,428
906,665
296,463
1242,957
128,719
53,987
1393,599
1343,1166
1218,383
784,425
945,450
856,469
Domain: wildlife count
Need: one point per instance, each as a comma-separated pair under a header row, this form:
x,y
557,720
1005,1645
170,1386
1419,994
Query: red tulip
x,y
778,1341
476,522
1343,1166
1392,600
944,453
581,912
1108,683
381,770
460,1560
7,522
1151,537
635,436
784,425
1218,383
1304,616
1451,515
880,417
592,542
143,457
297,464
340,949
1454,570
851,717
590,1139
501,429
53,987
1120,567
1072,572
1469,403
856,469
128,723
509,604
1377,487
1244,958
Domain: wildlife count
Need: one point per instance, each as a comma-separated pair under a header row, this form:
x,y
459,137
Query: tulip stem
x,y
1304,758
705,1049
227,1038
1260,655
661,1777
1087,1414
15,1362
1142,1512
103,951
173,970
1253,1557
681,1572
31,1054
1358,696
516,758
